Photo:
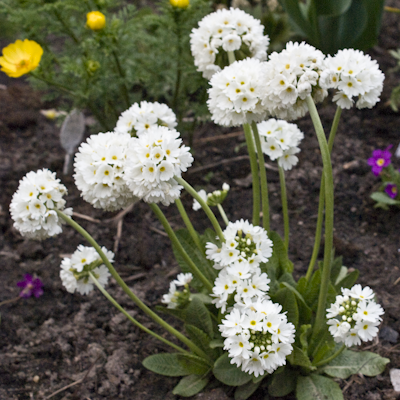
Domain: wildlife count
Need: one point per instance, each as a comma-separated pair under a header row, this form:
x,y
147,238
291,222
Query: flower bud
x,y
95,20
179,3
92,66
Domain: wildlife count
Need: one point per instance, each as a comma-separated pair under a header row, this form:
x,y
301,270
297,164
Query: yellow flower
x,y
179,3
95,20
20,57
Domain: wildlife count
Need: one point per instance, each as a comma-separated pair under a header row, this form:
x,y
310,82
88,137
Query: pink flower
x,y
391,190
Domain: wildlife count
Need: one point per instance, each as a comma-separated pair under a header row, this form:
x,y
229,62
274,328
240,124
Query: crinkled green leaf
x,y
243,392
229,373
190,385
317,387
197,314
381,197
351,362
300,358
201,339
287,300
283,383
176,364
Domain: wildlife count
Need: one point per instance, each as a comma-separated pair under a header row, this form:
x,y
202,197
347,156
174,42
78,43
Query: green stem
x,y
254,173
329,359
284,206
318,231
57,85
223,215
204,206
122,75
263,177
171,234
126,289
231,57
329,202
189,224
133,320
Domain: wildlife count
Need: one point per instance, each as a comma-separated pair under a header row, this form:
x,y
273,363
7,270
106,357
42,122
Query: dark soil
x,y
82,342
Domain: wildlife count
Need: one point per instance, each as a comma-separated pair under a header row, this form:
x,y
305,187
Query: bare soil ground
x,y
61,339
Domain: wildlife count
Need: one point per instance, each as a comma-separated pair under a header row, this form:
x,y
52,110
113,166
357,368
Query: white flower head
x,y
236,94
280,140
356,78
223,31
75,270
153,160
212,199
139,118
34,203
100,168
289,77
355,316
250,345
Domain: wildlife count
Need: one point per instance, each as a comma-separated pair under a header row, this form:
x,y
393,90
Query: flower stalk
x,y
126,289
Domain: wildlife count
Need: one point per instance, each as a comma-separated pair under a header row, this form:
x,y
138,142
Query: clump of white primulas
x,y
354,316
280,140
34,203
236,93
75,270
290,76
175,297
139,118
258,336
212,199
238,258
100,168
223,31
154,159
355,77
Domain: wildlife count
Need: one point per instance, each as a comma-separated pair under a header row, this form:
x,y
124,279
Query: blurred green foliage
x,y
330,25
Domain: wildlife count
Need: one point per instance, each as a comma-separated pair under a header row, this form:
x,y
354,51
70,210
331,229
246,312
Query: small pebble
x,y
388,334
36,378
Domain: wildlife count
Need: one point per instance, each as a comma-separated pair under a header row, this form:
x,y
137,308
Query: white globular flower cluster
x,y
354,316
100,168
280,140
290,76
236,94
139,118
212,199
155,158
355,77
223,31
175,297
75,270
258,336
238,259
34,203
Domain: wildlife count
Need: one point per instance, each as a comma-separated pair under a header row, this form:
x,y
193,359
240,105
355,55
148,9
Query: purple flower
x,y
31,286
391,190
379,160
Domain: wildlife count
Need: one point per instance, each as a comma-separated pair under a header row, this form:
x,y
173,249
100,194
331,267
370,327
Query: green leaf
x,y
243,392
198,315
332,7
176,312
321,345
317,387
176,364
190,385
201,339
280,250
297,17
287,300
348,281
305,311
229,373
312,290
351,362
381,197
300,358
197,257
336,268
216,343
283,383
